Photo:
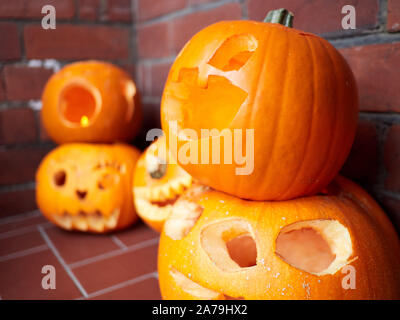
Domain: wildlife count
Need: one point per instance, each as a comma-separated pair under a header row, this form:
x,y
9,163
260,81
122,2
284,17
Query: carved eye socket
x,y
234,52
156,167
60,178
107,180
316,246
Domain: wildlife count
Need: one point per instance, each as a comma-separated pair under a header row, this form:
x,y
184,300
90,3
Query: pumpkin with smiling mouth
x,y
157,184
293,88
87,187
215,246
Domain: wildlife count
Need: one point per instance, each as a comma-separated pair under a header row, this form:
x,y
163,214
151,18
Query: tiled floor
x,y
122,265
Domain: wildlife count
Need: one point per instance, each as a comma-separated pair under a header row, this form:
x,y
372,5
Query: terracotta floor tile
x,y
138,233
20,242
117,269
22,223
144,290
76,246
21,278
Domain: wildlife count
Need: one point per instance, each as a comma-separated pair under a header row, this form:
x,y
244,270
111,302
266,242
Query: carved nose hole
x,y
81,194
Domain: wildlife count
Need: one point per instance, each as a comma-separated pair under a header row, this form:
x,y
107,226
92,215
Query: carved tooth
x,y
111,221
64,221
80,223
96,223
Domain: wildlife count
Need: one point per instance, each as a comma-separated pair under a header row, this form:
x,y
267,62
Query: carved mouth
x,y
88,221
156,202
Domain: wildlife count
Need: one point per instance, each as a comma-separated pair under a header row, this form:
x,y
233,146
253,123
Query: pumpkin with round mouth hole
x,y
87,187
158,182
335,245
91,101
260,110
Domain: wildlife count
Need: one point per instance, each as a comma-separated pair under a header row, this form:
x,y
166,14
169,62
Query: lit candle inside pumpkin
x,y
84,121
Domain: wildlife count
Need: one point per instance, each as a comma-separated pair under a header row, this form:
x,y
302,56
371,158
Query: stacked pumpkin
x,y
288,228
85,183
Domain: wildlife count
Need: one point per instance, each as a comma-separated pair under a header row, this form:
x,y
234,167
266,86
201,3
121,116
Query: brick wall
x,y
146,35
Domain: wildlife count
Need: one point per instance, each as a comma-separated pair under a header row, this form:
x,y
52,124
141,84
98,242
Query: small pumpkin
x,y
157,184
87,187
90,101
292,88
336,245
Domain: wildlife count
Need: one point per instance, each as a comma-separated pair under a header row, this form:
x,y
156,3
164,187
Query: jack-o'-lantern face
x,y
336,245
292,88
87,187
157,184
90,101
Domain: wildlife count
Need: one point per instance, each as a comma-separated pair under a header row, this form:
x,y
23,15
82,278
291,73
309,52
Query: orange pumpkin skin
x,y
91,101
87,187
197,267
156,188
293,88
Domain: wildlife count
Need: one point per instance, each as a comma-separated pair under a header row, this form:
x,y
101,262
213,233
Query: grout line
x,y
23,253
23,230
122,285
21,216
118,242
114,253
61,260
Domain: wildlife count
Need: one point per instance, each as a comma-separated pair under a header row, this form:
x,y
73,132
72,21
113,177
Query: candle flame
x,y
84,121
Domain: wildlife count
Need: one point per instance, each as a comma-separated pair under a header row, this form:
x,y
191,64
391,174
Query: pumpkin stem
x,y
281,16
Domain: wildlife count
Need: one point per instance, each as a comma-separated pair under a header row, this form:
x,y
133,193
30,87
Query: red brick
x,y
10,48
117,269
392,159
393,18
153,41
16,202
376,70
19,165
25,83
138,233
77,246
148,9
65,9
21,278
158,74
198,2
119,10
318,16
17,125
2,90
144,290
392,208
23,222
362,163
183,28
77,42
43,136
20,242
89,9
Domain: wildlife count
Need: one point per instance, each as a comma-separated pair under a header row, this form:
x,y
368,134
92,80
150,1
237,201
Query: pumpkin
x,y
334,245
90,101
157,184
87,187
277,108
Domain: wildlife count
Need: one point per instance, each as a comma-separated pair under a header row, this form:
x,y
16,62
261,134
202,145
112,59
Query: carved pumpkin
x,y
293,88
157,184
90,101
215,246
87,187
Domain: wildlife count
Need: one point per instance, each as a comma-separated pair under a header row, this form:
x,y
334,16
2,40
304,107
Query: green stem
x,y
281,16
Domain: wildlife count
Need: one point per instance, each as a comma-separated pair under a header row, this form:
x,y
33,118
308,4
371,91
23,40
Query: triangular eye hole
x,y
233,54
316,246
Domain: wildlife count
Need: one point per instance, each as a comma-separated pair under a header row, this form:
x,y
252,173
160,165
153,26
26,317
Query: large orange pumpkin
x,y
157,184
293,88
336,245
87,187
91,101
